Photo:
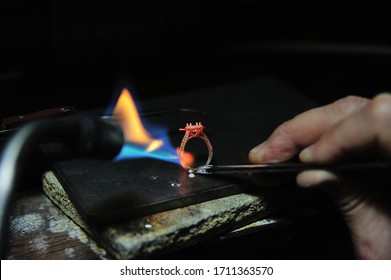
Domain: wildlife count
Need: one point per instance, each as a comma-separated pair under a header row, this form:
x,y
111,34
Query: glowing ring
x,y
195,133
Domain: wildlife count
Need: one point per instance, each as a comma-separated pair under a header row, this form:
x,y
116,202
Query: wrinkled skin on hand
x,y
350,128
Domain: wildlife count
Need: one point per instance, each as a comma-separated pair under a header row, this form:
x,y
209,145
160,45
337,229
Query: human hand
x,y
351,127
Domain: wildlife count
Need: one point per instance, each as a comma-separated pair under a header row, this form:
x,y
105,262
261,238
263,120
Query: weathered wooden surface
x,y
39,230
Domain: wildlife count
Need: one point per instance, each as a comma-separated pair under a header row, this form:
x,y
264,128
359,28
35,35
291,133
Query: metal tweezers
x,y
287,167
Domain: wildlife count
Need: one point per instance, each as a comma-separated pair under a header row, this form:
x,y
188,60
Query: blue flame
x,y
166,152
131,151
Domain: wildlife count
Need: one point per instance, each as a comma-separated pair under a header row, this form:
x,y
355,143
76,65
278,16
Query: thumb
x,y
365,210
334,184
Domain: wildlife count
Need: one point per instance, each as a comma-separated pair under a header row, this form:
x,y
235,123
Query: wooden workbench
x,y
39,230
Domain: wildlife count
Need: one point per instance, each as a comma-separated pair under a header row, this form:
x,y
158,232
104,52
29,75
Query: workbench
x,y
39,230
296,224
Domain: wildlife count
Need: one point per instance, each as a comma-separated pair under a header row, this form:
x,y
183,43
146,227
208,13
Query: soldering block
x,y
158,234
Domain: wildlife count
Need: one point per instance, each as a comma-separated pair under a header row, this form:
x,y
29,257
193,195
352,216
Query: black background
x,y
76,53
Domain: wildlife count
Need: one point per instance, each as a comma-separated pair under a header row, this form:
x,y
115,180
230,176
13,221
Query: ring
x,y
194,131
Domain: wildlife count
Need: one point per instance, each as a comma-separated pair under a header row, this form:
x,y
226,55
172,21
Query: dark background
x,y
56,53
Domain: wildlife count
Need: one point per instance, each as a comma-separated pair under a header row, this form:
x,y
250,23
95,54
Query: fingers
x,y
315,178
366,130
303,130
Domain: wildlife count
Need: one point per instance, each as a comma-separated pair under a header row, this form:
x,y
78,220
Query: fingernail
x,y
306,155
315,177
255,154
258,148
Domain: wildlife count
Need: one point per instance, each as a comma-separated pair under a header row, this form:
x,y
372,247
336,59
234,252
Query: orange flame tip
x,y
130,121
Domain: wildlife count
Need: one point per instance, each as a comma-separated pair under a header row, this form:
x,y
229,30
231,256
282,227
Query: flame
x,y
134,132
140,142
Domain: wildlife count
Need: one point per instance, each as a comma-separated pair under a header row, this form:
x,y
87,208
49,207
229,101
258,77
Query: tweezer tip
x,y
204,169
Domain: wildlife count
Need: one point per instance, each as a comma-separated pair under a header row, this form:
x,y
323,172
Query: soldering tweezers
x,y
286,167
